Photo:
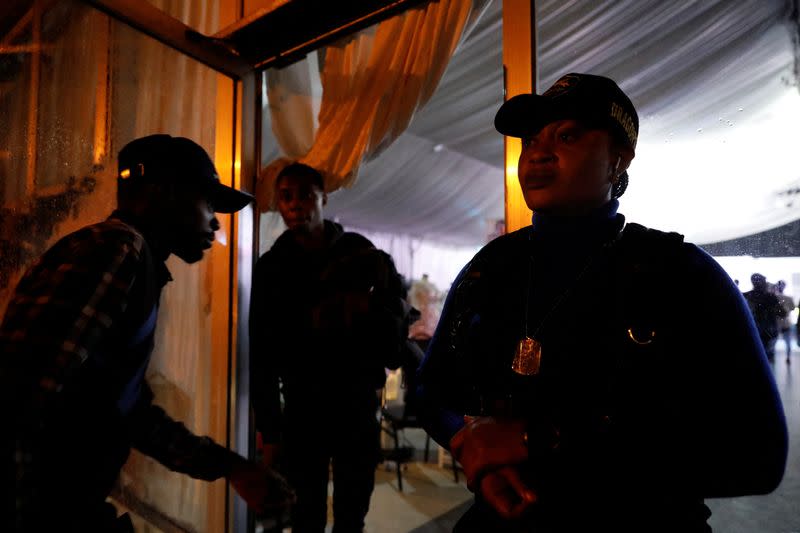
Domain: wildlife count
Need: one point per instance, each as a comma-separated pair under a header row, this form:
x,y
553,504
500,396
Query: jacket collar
x,y
147,231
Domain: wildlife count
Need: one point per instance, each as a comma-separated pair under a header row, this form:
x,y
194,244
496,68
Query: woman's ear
x,y
620,160
624,158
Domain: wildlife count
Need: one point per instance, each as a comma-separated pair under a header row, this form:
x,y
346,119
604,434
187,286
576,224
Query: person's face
x,y
300,203
568,168
191,224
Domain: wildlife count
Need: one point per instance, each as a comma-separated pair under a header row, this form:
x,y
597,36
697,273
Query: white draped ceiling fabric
x,y
372,84
716,90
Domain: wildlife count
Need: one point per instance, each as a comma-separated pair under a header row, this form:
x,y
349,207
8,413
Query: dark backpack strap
x,y
644,265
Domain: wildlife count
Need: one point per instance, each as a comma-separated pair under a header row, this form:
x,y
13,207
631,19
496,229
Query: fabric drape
x,y
293,99
372,83
716,90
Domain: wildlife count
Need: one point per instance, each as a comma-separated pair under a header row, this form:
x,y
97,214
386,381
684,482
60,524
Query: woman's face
x,y
568,168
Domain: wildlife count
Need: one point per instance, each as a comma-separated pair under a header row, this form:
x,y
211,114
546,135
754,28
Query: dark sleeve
x,y
64,309
391,316
441,408
167,441
378,336
264,371
780,311
735,431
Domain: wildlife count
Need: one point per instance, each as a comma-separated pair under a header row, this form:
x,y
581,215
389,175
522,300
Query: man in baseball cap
x,y
178,160
579,348
172,188
77,338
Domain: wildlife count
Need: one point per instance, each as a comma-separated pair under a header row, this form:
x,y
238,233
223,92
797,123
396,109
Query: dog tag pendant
x,y
528,357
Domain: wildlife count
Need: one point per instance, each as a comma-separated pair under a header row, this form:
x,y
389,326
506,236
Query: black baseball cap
x,y
588,98
180,160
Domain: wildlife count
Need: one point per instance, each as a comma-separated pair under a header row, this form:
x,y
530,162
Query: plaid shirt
x,y
67,357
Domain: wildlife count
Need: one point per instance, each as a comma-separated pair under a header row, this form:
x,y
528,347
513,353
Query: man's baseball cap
x,y
179,160
593,100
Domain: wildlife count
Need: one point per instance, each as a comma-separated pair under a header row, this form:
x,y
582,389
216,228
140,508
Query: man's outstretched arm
x,y
170,443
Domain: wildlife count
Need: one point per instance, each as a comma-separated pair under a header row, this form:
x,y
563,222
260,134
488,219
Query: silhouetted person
x,y
785,323
767,312
326,319
579,347
76,342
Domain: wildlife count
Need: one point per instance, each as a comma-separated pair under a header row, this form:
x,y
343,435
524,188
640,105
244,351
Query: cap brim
x,y
526,114
227,199
523,114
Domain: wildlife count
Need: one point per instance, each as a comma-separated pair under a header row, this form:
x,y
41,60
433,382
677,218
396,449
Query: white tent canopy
x,y
718,101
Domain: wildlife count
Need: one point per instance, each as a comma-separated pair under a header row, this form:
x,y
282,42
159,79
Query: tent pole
x,y
519,76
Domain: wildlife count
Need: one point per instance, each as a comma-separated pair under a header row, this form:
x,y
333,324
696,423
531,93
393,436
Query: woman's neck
x,y
598,224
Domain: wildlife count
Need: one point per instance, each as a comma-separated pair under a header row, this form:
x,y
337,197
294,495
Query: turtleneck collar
x,y
599,225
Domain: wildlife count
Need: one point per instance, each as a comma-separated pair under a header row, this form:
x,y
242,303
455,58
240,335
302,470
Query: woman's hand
x,y
485,444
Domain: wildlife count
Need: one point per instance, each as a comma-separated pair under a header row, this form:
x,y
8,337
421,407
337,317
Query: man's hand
x,y
505,491
270,451
270,454
260,487
486,444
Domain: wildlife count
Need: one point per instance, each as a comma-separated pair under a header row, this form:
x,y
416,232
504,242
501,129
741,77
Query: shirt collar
x,y
163,275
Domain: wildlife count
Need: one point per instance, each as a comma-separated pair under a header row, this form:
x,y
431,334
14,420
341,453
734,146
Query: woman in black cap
x,y
570,374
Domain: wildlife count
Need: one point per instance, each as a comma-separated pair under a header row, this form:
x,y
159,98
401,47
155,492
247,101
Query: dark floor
x,y
778,512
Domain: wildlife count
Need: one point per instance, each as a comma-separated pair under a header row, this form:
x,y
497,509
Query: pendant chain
x,y
565,293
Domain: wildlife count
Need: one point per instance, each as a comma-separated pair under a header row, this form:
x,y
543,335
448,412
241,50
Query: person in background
x,y
77,339
327,318
571,373
767,311
425,297
785,323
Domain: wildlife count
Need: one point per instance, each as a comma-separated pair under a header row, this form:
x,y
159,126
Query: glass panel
x,y
68,103
18,115
66,75
251,6
201,16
